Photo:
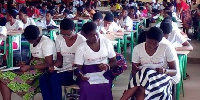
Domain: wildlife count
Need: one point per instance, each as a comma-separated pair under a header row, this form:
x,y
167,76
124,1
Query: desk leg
x,y
118,46
51,35
125,45
132,44
185,67
10,51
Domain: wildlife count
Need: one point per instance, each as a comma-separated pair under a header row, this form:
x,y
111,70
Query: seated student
x,y
25,19
89,9
72,9
174,15
125,21
3,34
168,18
98,20
110,27
81,13
33,11
25,82
142,12
176,38
153,67
102,52
65,14
132,13
66,45
48,21
43,10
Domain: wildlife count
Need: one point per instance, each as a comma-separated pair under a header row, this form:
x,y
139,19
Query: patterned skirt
x,y
24,84
157,86
186,18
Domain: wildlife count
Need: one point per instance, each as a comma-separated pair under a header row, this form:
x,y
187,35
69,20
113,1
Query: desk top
x,y
183,52
12,33
128,32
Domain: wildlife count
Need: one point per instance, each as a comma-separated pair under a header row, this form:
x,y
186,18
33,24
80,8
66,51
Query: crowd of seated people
x,y
54,63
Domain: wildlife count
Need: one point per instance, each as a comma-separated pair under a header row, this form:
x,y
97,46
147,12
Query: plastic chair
x,y
73,94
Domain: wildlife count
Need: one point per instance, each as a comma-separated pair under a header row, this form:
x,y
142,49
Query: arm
x,y
186,47
59,60
48,62
112,62
172,68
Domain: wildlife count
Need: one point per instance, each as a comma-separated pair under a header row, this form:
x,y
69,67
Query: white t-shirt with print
x,y
177,77
44,48
68,53
18,24
30,21
112,28
86,56
159,59
127,22
176,38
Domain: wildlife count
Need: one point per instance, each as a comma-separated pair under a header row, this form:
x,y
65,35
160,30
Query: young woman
x,y
125,21
132,13
153,66
93,56
25,81
66,46
185,13
48,21
25,19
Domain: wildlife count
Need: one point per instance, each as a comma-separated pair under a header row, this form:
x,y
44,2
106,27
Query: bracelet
x,y
32,67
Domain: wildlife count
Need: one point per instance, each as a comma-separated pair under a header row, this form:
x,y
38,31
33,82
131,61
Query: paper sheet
x,y
96,78
9,69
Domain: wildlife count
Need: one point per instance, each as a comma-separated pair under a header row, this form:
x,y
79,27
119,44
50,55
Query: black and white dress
x,y
157,86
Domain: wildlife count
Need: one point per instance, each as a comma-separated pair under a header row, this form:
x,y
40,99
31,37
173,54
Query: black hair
x,y
67,24
88,27
80,9
13,13
50,12
67,11
155,33
3,21
44,4
109,17
31,32
23,10
166,27
141,8
71,4
198,5
133,7
142,37
168,17
97,16
169,4
167,21
125,8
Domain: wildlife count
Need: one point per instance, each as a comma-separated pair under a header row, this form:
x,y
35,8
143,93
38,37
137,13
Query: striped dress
x,y
157,86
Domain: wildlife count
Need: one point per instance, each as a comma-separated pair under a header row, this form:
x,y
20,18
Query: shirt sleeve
x,y
19,25
129,23
111,52
116,27
58,48
135,55
32,22
48,48
170,54
79,55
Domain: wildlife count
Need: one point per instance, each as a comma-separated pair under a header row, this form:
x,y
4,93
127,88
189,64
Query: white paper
x,y
9,69
96,78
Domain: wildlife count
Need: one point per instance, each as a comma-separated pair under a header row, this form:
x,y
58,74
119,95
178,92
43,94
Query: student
x,y
66,45
25,82
89,9
33,11
25,19
155,5
176,38
153,63
81,13
93,56
142,12
67,14
43,10
110,27
125,21
48,21
133,13
98,20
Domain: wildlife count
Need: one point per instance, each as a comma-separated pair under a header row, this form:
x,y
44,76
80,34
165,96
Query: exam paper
x,y
97,78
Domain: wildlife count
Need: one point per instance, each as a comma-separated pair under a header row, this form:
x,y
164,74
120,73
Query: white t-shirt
x,y
18,24
127,22
155,6
45,47
159,59
112,28
30,21
86,56
44,24
68,53
177,77
176,38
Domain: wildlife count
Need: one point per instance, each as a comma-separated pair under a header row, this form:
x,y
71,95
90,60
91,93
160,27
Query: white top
x,y
18,24
159,59
86,56
177,77
44,24
30,21
127,22
68,53
112,28
176,38
3,33
45,47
